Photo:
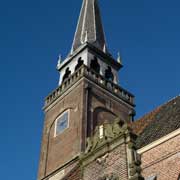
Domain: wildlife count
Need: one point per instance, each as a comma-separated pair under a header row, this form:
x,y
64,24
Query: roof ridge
x,y
158,107
170,100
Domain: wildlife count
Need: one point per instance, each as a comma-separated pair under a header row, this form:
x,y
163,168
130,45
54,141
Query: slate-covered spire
x,y
89,28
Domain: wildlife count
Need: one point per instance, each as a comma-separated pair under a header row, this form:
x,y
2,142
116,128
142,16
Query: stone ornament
x,y
111,131
102,159
109,177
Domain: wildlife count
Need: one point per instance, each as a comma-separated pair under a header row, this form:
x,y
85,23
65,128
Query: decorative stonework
x,y
134,162
111,157
109,177
84,71
111,131
116,131
102,160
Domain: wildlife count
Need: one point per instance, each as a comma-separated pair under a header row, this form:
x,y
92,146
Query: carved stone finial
x,y
119,60
59,61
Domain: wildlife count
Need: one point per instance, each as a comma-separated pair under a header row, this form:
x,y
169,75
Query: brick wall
x,y
115,162
56,151
106,100
103,106
163,160
82,101
75,174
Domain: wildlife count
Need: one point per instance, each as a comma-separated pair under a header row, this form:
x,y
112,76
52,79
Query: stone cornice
x,y
84,71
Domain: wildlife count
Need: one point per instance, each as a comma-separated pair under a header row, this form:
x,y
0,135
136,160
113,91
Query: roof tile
x,y
158,123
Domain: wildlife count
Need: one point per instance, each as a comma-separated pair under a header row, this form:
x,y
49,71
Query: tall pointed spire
x,y
89,28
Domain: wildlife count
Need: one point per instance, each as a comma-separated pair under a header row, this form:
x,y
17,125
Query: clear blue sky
x,y
33,33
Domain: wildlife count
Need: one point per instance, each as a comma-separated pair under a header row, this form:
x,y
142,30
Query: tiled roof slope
x,y
160,122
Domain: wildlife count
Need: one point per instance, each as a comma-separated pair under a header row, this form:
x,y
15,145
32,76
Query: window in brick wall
x,y
62,123
151,178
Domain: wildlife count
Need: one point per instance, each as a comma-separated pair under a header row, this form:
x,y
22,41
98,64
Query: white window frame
x,y
55,130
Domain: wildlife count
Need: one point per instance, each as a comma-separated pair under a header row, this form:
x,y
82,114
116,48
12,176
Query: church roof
x,y
158,123
89,28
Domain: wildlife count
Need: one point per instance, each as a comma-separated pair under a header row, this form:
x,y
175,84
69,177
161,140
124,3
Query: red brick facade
x,y
163,160
57,151
115,162
88,105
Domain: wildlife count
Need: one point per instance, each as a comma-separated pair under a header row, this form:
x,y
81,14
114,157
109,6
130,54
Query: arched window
x,y
101,116
95,65
79,64
67,74
108,74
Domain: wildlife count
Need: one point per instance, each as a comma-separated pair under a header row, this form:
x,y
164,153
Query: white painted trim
x,y
159,141
67,111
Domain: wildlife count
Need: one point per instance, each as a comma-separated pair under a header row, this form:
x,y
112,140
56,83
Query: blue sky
x,y
33,33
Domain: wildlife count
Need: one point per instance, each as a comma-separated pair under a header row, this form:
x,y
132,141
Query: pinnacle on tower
x,y
119,59
89,28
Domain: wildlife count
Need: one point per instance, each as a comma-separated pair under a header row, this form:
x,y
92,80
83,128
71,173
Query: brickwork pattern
x,y
56,151
116,163
84,96
75,174
163,160
118,107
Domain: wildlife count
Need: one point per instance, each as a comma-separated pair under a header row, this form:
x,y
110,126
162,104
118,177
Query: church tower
x,y
88,96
